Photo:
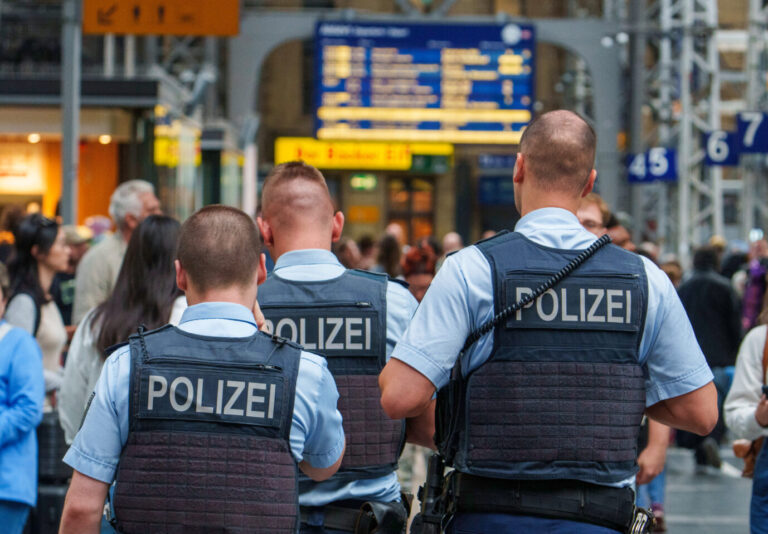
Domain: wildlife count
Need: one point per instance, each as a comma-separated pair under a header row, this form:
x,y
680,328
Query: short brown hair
x,y
296,195
289,171
219,246
597,200
559,150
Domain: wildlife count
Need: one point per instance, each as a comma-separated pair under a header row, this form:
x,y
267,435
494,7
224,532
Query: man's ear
x,y
519,171
590,183
337,226
262,270
35,251
131,221
266,231
181,276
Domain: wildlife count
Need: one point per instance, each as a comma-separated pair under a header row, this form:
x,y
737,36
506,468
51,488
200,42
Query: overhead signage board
x,y
399,81
162,17
354,155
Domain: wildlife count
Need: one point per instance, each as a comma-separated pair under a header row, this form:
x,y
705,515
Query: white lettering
x,y
338,322
614,305
629,306
519,292
199,408
290,324
252,386
540,309
303,335
239,387
564,298
156,393
190,393
320,333
219,396
271,406
582,305
367,333
591,317
353,332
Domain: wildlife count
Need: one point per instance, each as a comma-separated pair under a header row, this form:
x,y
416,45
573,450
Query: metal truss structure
x,y
754,212
684,88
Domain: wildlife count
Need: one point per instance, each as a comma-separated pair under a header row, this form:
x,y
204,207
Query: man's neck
x,y
233,295
292,243
125,233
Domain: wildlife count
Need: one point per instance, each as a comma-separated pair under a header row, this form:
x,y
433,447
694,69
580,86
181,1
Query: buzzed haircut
x,y
219,247
293,191
559,150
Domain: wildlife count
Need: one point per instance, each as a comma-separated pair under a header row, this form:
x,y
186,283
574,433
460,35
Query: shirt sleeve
x,y
669,351
401,306
23,407
95,452
21,312
459,300
745,392
316,432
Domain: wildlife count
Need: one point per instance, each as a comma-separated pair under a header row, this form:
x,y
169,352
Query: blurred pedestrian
x,y
21,409
712,307
594,214
388,260
369,249
11,217
41,252
145,294
674,271
63,289
755,283
746,413
419,268
348,253
130,204
452,242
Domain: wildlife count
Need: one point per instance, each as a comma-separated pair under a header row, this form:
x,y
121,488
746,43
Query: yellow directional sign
x,y
162,17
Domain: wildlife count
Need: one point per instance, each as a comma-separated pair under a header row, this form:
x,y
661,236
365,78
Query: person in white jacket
x,y
145,294
746,415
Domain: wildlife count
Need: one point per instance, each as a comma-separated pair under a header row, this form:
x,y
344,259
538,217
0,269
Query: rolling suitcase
x,y
46,516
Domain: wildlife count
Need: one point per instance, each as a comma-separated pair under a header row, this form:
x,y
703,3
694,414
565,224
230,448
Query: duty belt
x,y
362,517
557,499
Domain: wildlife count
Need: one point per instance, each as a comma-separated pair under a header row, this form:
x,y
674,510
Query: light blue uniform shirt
x,y
316,432
316,265
460,300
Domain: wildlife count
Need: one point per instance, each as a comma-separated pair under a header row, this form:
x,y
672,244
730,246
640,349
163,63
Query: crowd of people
x,y
70,298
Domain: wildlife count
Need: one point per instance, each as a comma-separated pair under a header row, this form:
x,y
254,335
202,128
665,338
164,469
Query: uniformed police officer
x,y
203,425
354,318
543,412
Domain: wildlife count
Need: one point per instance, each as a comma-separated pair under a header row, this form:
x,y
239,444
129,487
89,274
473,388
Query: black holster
x,y
370,518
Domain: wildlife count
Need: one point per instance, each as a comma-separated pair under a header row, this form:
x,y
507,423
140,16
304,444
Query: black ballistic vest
x,y
562,393
208,448
344,319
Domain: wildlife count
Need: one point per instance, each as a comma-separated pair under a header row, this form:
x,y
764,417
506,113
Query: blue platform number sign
x,y
657,163
753,132
721,148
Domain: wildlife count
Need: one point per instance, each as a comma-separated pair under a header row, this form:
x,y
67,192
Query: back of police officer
x,y
540,416
203,425
354,318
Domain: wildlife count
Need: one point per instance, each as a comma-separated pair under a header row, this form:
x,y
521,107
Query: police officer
x,y
541,415
202,426
354,318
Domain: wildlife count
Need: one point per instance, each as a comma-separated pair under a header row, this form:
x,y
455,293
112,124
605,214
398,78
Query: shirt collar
x,y
549,218
218,310
307,256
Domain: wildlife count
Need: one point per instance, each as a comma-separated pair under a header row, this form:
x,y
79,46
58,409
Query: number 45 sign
x,y
723,148
657,163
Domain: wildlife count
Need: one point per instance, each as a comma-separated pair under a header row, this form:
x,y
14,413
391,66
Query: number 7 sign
x,y
752,132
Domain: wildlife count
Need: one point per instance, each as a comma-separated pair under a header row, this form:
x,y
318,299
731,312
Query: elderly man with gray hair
x,y
130,204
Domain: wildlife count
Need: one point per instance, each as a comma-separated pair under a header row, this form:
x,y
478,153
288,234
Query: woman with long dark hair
x,y
145,294
41,252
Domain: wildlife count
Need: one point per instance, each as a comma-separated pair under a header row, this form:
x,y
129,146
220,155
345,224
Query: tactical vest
x,y
344,319
208,448
562,393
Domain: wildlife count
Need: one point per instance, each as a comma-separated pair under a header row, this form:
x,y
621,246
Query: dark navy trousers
x,y
520,524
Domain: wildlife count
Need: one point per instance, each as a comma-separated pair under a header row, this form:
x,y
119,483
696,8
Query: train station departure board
x,y
455,83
